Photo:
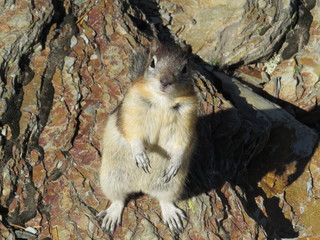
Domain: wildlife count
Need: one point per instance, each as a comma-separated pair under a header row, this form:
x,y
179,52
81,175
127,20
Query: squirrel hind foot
x,y
111,217
172,216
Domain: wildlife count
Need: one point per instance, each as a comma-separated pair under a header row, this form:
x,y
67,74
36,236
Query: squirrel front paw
x,y
170,172
142,161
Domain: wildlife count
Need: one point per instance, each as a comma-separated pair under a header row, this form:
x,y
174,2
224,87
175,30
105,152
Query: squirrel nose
x,y
166,81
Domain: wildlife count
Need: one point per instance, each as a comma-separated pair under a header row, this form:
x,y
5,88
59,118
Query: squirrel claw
x,y
111,217
143,162
170,172
173,217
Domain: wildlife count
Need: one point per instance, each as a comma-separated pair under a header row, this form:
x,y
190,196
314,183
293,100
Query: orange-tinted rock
x,y
302,195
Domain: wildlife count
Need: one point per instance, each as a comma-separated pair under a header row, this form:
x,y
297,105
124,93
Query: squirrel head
x,y
168,68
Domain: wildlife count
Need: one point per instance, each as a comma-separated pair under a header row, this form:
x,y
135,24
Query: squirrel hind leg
x,y
111,217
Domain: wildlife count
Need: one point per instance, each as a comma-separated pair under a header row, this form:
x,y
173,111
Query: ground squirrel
x,y
149,138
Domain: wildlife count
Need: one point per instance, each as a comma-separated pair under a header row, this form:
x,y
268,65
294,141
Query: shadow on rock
x,y
257,146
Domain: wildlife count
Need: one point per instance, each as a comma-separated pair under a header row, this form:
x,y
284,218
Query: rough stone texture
x,y
226,33
280,163
21,25
299,76
252,175
292,82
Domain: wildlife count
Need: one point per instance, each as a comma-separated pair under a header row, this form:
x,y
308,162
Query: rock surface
x,y
255,170
226,33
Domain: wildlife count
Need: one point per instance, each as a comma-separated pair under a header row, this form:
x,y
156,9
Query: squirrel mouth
x,y
165,89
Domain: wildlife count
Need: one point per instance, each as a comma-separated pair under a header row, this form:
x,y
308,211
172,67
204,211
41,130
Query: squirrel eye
x,y
153,63
184,69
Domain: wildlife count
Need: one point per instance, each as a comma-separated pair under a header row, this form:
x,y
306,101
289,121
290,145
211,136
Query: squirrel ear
x,y
155,44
